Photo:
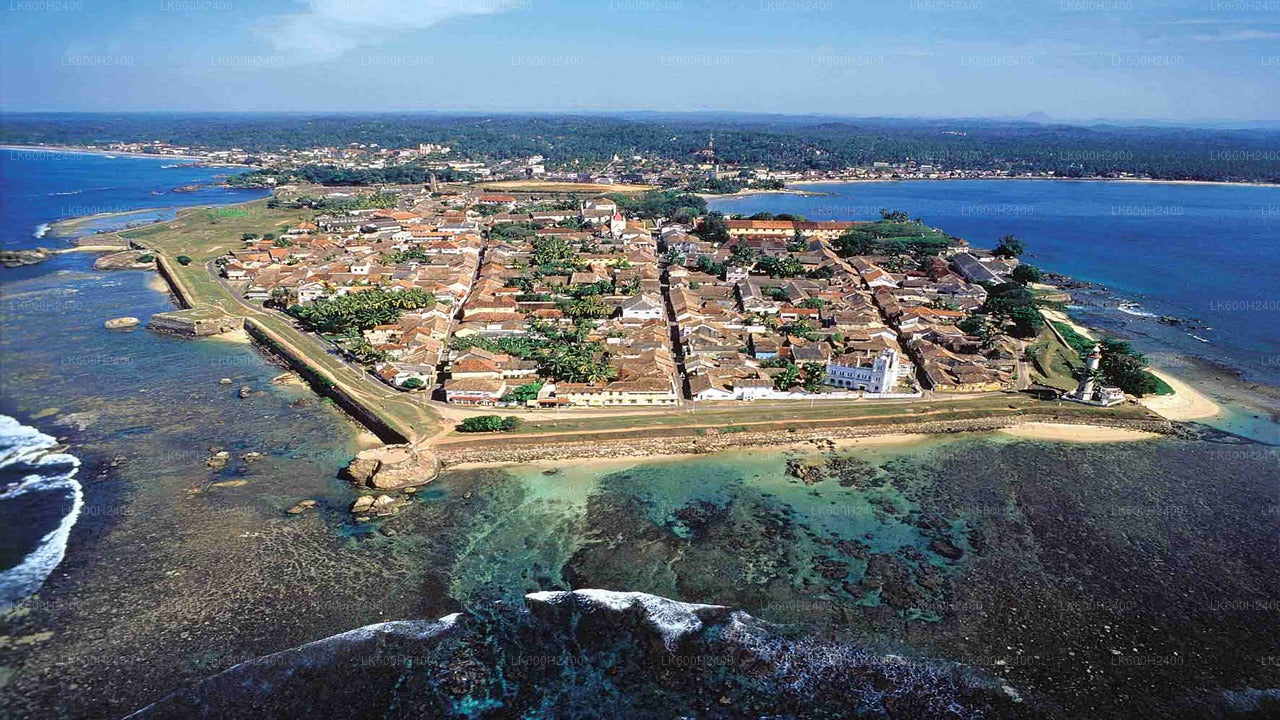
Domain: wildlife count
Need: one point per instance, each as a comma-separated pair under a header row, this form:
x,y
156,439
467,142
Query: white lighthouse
x,y
1084,391
1089,390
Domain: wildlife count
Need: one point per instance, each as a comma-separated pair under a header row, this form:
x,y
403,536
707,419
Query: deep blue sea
x,y
1205,253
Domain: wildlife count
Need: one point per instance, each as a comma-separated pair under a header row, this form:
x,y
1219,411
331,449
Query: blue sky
x,y
1073,59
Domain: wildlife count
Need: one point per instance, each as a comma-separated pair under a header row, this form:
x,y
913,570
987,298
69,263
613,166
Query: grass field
x,y
1054,363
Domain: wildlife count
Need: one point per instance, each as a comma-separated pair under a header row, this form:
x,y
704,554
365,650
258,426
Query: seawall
x,y
387,430
523,450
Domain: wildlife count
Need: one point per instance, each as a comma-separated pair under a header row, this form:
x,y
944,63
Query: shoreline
x,y
856,181
1185,404
87,150
1040,426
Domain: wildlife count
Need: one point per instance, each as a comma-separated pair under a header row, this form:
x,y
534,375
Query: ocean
x,y
40,494
1011,562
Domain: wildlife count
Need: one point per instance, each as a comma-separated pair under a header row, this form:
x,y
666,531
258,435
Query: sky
x,y
1184,61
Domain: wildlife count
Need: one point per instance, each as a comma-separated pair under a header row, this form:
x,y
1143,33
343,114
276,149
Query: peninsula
x,y
481,327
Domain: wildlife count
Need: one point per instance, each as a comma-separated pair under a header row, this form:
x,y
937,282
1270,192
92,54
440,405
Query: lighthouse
x,y
1084,392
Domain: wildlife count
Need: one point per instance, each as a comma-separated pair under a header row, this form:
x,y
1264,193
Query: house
x,y
642,307
475,391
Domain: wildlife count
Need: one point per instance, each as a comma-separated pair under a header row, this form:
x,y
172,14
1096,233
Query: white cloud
x,y
326,29
1241,36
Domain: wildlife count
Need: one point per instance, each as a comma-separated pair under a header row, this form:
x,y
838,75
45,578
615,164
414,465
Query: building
x,y
1091,390
857,371
475,391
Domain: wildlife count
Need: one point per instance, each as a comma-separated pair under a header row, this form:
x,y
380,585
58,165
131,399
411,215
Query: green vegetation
x,y
784,266
332,175
1121,365
1026,274
891,237
562,355
362,201
355,312
569,141
413,384
183,259
1010,247
523,393
489,423
681,207
1013,303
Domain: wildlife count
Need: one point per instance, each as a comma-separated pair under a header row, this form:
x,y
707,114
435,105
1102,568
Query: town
x,y
551,300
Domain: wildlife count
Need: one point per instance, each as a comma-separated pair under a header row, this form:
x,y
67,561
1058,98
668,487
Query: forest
x,y
781,142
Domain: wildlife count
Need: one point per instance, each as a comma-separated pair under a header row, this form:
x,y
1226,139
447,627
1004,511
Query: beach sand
x,y
1186,403
1062,432
1061,317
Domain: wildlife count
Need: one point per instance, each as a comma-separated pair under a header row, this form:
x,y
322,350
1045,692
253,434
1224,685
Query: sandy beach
x,y
1061,432
1059,316
1186,403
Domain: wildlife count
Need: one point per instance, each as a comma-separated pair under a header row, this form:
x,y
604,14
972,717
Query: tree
x,y
523,393
786,379
551,249
488,423
1125,368
713,228
1027,321
780,267
896,216
413,383
1010,247
183,260
814,374
1026,274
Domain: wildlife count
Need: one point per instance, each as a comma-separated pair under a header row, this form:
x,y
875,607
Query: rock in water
x,y
301,507
121,322
363,504
18,258
245,391
393,467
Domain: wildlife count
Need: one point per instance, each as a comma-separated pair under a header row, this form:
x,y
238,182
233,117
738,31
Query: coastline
x,y
86,150
1140,181
1039,426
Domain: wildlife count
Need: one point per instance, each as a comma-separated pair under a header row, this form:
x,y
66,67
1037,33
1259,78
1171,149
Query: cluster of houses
x,y
610,261
664,327
435,251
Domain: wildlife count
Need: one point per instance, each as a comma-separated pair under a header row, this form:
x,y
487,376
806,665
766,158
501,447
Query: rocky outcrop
x,y
18,258
591,654
128,260
393,467
121,323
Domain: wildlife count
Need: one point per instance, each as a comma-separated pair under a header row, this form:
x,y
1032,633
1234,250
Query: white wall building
x,y
855,372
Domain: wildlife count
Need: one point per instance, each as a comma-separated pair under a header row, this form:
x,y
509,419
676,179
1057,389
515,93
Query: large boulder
x,y
393,467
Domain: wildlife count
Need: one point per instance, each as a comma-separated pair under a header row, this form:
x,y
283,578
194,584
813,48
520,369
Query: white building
x,y
857,372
